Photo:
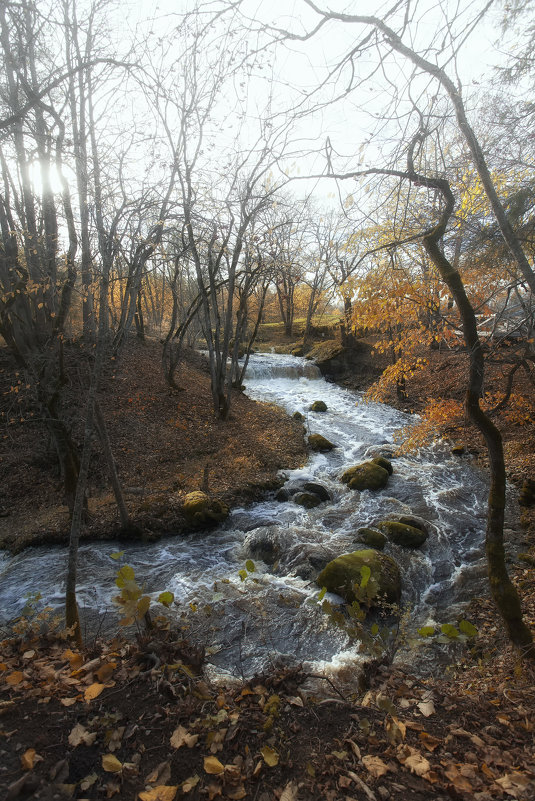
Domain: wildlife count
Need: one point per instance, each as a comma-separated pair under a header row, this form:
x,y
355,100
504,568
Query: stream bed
x,y
274,616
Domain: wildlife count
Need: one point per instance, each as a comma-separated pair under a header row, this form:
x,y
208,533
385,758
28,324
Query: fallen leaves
x,y
181,737
213,766
80,736
111,764
375,766
29,758
160,793
270,756
93,691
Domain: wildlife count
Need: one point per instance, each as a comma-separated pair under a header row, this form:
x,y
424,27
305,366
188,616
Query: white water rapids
x,y
274,616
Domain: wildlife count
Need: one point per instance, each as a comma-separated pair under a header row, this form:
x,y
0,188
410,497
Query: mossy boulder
x,y
385,463
317,489
415,522
298,351
298,416
307,499
402,534
318,406
201,509
320,444
371,537
366,476
344,576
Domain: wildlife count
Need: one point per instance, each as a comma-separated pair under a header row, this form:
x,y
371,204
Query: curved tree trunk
x,y
502,589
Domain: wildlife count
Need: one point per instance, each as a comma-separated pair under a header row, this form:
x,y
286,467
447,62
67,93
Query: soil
x,y
165,443
136,718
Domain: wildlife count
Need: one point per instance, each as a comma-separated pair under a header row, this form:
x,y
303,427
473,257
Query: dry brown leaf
x,y
417,763
213,765
428,741
395,730
75,660
80,736
515,784
213,790
374,765
14,678
29,758
237,794
68,701
190,783
290,792
427,708
93,691
104,672
111,764
160,775
458,781
162,792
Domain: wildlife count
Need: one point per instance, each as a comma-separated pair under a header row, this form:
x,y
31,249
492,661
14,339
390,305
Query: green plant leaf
x,y
322,593
250,566
374,629
449,630
125,574
365,572
242,574
117,554
468,628
426,631
166,598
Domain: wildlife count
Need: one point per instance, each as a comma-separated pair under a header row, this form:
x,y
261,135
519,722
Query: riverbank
x,y
165,443
138,719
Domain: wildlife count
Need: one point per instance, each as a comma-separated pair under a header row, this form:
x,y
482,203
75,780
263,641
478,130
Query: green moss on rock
x,y
402,534
200,509
318,443
307,499
318,406
385,463
371,537
343,576
368,475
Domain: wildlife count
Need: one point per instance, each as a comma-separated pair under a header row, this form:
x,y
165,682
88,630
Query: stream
x,y
273,616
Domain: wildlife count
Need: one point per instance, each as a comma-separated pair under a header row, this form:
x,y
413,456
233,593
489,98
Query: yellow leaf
x,y
111,764
164,792
181,737
213,765
75,660
29,758
14,678
271,757
93,691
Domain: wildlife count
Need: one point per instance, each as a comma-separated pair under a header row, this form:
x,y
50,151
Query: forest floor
x,y
166,443
137,719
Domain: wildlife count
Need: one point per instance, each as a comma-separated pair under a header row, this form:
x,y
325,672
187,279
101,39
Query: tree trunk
x,y
112,469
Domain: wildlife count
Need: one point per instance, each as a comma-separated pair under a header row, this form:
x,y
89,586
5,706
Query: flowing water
x,y
273,616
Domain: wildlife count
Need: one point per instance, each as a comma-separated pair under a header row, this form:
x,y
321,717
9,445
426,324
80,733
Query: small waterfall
x,y
262,368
